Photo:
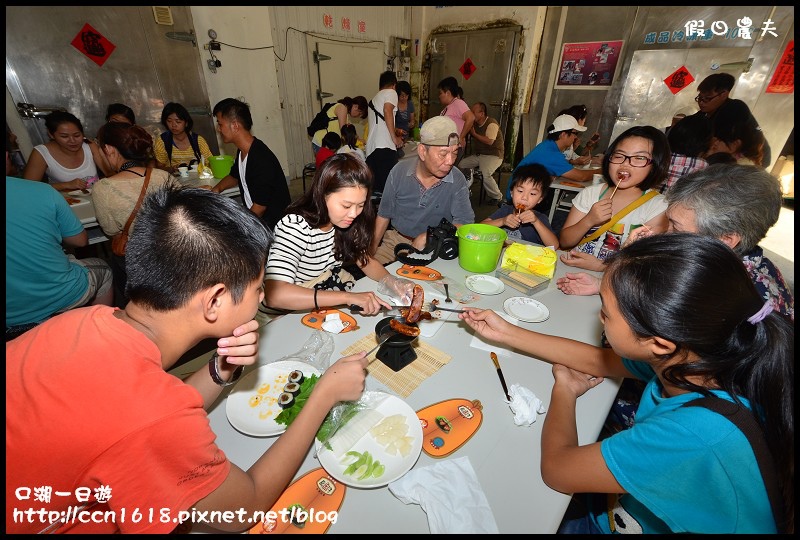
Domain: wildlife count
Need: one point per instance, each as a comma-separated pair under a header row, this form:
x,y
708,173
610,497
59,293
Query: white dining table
x,y
85,211
505,456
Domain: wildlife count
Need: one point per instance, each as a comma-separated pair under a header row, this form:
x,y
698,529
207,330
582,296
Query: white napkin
x,y
525,405
333,323
479,343
451,496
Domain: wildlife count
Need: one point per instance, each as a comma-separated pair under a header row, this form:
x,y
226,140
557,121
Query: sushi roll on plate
x,y
292,388
296,376
285,400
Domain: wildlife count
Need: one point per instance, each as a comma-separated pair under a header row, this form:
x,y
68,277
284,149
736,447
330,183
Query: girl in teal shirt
x,y
681,313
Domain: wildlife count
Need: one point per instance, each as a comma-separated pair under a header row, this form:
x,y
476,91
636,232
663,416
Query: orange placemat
x,y
317,317
404,382
419,272
315,491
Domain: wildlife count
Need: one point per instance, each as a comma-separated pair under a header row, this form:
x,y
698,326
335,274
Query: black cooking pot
x,y
397,340
396,352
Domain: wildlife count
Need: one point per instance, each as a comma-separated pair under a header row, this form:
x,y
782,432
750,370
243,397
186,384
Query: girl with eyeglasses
x,y
603,215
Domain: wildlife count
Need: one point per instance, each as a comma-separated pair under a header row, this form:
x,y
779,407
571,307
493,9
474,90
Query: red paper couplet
x,y
679,80
93,44
467,69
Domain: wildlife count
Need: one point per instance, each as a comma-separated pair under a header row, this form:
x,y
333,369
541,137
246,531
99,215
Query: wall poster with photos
x,y
588,65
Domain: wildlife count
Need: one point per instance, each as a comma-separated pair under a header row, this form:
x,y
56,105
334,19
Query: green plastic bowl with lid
x,y
220,165
479,247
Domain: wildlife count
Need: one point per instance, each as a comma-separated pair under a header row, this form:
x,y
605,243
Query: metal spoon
x,y
383,338
447,292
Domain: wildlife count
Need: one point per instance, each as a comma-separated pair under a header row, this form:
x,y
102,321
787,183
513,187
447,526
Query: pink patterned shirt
x,y
680,165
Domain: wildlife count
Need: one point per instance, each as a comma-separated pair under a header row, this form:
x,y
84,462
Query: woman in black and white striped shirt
x,y
330,225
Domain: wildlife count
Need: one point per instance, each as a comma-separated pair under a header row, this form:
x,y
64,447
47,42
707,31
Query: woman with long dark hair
x,y
682,315
329,226
69,160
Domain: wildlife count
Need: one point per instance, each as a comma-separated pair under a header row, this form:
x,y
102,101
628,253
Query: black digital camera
x,y
442,240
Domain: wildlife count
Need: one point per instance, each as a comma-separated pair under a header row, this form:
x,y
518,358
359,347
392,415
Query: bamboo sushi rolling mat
x,y
404,382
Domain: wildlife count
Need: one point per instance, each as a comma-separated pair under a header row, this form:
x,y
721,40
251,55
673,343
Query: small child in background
x,y
331,142
350,142
529,185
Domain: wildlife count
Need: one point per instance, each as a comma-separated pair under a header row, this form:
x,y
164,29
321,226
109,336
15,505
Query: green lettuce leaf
x,y
287,415
330,425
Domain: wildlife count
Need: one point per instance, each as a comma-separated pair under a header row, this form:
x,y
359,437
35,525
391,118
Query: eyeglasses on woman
x,y
636,161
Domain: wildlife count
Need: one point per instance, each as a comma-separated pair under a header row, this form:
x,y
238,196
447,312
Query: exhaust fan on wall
x,y
163,15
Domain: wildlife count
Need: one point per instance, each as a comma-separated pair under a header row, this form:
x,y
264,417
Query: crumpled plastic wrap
x,y
343,411
398,288
525,405
316,351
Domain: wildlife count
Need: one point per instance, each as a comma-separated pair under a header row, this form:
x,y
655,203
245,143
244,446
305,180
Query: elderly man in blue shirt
x,y
420,191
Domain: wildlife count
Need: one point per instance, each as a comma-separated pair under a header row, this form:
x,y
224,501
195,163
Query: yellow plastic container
x,y
545,262
530,259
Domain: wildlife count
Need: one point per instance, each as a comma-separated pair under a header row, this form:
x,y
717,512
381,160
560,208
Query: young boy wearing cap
x,y
420,192
550,152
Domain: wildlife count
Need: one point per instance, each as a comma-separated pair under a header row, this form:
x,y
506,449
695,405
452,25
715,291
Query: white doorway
x,y
340,70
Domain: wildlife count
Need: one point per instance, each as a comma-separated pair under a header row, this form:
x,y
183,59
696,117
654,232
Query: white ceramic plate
x,y
526,309
252,405
77,192
396,465
485,284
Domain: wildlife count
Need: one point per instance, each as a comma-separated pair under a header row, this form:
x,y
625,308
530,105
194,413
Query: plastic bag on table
x,y
400,289
345,411
457,291
316,351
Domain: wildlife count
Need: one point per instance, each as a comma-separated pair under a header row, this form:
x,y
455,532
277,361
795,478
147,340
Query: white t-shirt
x,y
355,151
379,136
58,173
248,200
570,154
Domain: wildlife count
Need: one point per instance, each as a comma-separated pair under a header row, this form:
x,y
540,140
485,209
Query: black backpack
x,y
168,143
320,121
